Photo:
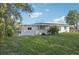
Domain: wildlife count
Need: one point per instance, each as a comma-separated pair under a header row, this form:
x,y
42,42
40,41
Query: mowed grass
x,y
62,44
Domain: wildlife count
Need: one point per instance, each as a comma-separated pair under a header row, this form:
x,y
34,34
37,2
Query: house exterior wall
x,y
41,31
36,31
68,29
63,29
25,31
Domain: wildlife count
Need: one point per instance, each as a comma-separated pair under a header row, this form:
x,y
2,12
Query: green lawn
x,y
65,43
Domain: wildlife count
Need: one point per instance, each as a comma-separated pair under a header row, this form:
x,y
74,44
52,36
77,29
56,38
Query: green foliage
x,y
10,31
10,15
53,30
1,28
62,44
72,18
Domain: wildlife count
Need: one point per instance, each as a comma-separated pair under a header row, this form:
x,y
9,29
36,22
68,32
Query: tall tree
x,y
72,18
10,13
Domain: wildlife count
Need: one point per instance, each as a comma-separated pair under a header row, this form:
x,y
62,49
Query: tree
x,y
72,18
53,30
10,15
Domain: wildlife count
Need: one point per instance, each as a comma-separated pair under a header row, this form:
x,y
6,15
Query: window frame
x,y
29,28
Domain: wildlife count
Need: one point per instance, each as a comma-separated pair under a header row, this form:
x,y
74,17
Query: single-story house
x,y
39,28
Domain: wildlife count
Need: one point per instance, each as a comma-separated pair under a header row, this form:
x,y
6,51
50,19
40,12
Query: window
x,y
29,28
41,27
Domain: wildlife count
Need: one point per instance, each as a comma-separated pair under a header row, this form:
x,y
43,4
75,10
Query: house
x,y
39,28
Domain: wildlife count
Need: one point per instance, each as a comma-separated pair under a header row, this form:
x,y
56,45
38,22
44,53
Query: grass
x,y
62,44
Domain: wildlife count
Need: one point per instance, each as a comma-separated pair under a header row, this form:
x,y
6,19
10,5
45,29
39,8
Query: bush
x,y
10,31
53,30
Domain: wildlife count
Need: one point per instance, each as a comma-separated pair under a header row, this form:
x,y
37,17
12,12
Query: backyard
x,y
62,44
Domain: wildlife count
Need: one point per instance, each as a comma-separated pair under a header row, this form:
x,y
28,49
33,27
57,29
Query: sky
x,y
48,12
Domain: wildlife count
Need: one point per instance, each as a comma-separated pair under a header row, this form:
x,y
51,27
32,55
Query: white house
x,y
39,28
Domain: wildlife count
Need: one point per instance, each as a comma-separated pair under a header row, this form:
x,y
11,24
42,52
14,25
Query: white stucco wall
x,y
25,31
35,31
63,29
68,29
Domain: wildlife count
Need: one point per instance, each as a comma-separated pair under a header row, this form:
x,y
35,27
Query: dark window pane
x,y
29,28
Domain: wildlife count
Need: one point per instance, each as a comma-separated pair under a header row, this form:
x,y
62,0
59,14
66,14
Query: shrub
x,y
53,30
10,31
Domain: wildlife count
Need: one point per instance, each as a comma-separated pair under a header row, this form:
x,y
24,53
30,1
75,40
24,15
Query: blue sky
x,y
47,12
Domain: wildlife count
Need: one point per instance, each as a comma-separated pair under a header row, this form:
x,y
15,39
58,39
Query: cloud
x,y
35,14
60,20
47,10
